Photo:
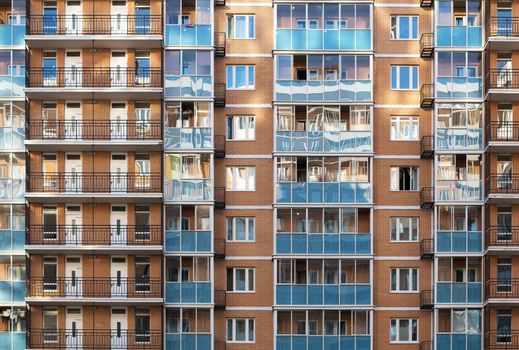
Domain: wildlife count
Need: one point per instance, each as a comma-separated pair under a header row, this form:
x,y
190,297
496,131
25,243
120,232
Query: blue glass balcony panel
x,y
12,240
459,242
323,39
323,294
454,190
323,243
188,292
188,190
12,35
192,35
452,87
327,141
12,138
188,241
12,290
327,342
13,340
177,341
458,36
323,192
323,91
188,86
12,86
459,139
461,341
459,292
187,138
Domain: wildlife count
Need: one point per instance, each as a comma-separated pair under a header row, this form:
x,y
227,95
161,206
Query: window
x,y
50,273
404,179
404,77
241,128
142,325
142,274
240,27
240,280
50,325
240,330
404,330
188,62
404,280
404,128
404,27
240,229
240,77
404,229
241,179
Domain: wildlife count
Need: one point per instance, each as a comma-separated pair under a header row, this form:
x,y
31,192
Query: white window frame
x,y
398,120
397,282
413,222
398,189
232,85
231,322
411,77
397,27
231,221
247,280
395,322
248,17
234,122
250,185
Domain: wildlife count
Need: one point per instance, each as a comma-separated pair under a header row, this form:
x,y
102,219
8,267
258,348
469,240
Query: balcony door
x,y
118,172
119,276
119,16
504,172
73,223
118,121
73,11
73,172
118,68
73,68
118,326
73,274
73,118
118,225
74,326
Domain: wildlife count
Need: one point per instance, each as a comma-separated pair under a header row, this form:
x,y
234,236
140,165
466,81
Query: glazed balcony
x,y
198,241
191,340
82,135
457,139
459,36
323,192
503,84
13,340
324,141
323,243
80,82
458,190
459,87
12,189
188,35
503,187
59,186
93,339
297,341
459,292
42,289
503,33
453,341
502,238
503,136
48,31
188,86
12,240
459,242
12,291
352,294
188,292
47,237
323,90
498,290
188,190
13,32
351,39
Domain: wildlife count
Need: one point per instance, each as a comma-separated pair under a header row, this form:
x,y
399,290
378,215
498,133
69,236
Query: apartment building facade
x,y
233,174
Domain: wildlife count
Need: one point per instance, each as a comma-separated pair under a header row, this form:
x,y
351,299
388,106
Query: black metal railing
x,y
93,339
502,339
220,41
97,182
93,235
94,287
89,77
427,299
427,197
502,288
503,183
219,94
219,248
427,248
502,79
94,130
427,146
219,197
507,27
502,236
220,298
94,25
219,146
503,131
427,95
426,44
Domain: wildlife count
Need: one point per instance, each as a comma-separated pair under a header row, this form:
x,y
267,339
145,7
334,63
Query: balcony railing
x,y
427,95
427,197
93,339
502,79
94,130
506,339
323,294
94,182
323,141
74,25
459,241
94,287
188,292
188,241
502,289
220,298
427,45
426,299
502,236
98,77
220,43
323,192
188,35
323,39
427,147
323,243
459,36
459,292
504,27
503,132
95,235
219,94
503,184
427,248
323,90
300,341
